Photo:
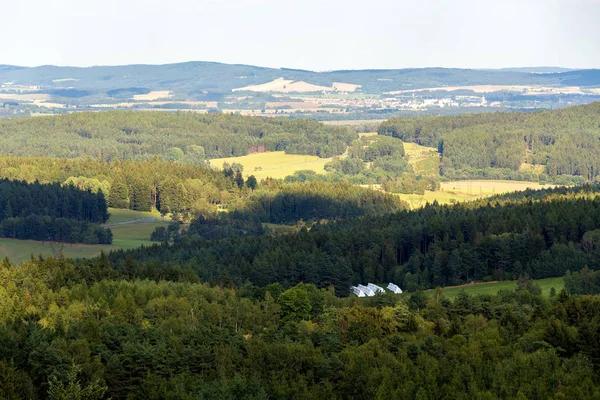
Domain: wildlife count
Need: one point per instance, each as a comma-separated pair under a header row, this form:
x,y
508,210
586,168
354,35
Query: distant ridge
x,y
536,70
189,80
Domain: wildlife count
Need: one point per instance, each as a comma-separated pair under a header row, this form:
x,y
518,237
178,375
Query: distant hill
x,y
192,80
535,70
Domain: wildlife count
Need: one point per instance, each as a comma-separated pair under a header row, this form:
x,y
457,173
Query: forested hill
x,y
193,79
187,137
564,141
433,246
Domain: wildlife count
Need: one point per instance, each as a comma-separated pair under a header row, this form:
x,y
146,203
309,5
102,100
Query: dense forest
x,y
21,199
184,137
283,203
75,337
543,235
565,141
52,212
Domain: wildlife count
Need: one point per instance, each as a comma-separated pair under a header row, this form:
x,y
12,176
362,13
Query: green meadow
x,y
129,235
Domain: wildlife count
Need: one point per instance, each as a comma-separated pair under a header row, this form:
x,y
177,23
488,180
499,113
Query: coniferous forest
x,y
52,212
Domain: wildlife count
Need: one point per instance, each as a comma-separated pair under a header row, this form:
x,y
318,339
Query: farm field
x,y
492,288
274,164
126,236
490,187
118,215
457,191
424,160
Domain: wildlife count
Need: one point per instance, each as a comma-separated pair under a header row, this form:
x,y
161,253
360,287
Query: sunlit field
x,y
274,164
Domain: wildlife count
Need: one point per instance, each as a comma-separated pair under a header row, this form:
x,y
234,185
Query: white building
x,y
358,292
375,288
367,290
394,288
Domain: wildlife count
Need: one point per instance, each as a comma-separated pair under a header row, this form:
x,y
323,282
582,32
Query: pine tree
x,y
119,194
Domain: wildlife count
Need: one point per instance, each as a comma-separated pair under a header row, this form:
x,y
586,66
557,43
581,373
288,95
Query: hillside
x,y
509,145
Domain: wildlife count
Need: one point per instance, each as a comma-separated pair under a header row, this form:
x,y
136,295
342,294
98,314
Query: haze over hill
x,y
345,94
217,77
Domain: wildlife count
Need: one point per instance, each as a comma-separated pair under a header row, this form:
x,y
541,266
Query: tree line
x,y
21,199
52,212
137,185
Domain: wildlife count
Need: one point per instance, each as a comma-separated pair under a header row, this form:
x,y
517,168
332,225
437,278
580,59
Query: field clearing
x,y
489,187
424,160
458,191
289,86
127,236
492,288
153,95
118,215
274,164
25,96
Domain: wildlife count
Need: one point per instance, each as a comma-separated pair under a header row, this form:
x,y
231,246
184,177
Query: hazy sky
x,y
308,34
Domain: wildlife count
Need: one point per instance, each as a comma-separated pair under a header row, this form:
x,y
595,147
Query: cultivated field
x,y
484,188
493,287
274,164
424,160
125,236
282,85
153,95
457,191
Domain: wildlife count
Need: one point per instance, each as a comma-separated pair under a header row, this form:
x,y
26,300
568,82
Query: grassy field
x,y
274,164
118,215
493,287
424,160
457,191
127,236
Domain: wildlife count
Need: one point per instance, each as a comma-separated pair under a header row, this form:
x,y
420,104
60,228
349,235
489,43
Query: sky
x,y
317,35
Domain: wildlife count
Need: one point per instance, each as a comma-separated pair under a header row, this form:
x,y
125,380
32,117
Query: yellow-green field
x,y
118,215
126,236
494,287
424,160
457,191
274,164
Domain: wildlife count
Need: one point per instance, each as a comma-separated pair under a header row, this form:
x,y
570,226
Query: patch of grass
x,y
424,160
274,164
281,228
493,288
128,236
118,215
